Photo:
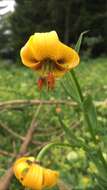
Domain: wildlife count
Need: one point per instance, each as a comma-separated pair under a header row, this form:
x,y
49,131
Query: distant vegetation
x,y
68,18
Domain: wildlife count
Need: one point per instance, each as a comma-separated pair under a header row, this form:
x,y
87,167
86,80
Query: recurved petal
x,y
44,45
67,58
27,56
20,165
50,178
34,177
18,169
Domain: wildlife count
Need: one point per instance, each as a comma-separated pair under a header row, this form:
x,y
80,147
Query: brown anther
x,y
50,81
41,82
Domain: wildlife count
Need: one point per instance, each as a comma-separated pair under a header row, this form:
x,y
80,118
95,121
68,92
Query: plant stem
x,y
45,149
77,86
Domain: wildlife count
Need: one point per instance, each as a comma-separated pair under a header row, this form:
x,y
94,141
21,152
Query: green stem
x,y
77,85
45,149
82,100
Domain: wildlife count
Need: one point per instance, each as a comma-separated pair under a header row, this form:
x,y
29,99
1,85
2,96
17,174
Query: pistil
x,y
48,65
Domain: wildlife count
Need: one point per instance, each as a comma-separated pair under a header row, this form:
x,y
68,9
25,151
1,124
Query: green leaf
x,y
78,44
47,147
70,87
102,182
75,141
90,111
101,166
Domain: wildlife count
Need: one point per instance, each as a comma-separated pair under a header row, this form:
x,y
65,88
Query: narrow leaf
x,y
90,111
78,44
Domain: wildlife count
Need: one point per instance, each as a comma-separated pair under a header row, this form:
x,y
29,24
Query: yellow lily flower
x,y
48,56
34,176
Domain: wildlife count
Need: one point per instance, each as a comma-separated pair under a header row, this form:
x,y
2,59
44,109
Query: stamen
x,y
48,65
41,82
50,81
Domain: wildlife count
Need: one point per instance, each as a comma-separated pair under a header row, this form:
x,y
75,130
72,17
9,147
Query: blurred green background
x,y
18,20
68,17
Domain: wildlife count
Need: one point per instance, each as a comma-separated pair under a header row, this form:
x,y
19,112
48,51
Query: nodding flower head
x,y
32,175
47,55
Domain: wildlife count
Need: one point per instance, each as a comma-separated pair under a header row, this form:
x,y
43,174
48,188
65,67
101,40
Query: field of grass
x,y
19,82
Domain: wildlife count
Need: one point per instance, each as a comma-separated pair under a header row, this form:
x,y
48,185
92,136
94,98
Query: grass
x,y
20,82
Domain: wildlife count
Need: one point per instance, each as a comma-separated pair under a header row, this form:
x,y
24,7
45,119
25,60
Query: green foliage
x,y
74,165
90,111
79,42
